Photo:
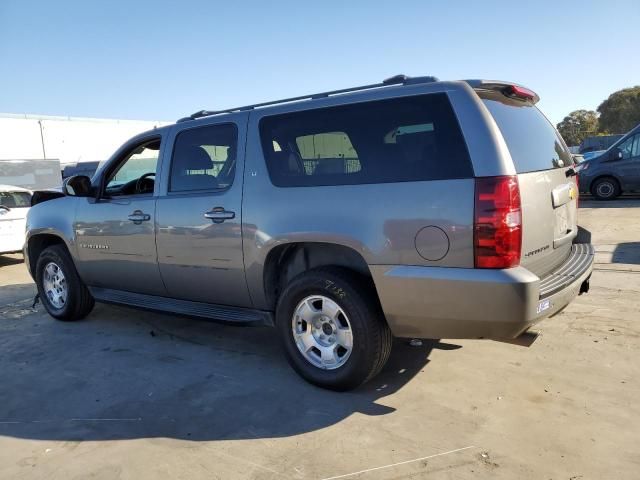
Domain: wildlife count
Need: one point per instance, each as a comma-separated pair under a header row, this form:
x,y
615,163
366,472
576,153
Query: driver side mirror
x,y
617,154
77,186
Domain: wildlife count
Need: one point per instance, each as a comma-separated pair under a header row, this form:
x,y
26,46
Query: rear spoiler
x,y
509,89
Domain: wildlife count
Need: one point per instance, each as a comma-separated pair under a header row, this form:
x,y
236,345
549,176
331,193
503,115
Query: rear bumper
x,y
436,302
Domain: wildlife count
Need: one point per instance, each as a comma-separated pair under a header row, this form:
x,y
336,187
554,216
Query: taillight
x,y
519,92
498,222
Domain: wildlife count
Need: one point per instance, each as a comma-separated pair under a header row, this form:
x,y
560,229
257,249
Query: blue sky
x,y
160,60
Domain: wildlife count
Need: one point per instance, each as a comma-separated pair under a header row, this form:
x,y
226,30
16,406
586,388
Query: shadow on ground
x,y
10,260
628,252
125,374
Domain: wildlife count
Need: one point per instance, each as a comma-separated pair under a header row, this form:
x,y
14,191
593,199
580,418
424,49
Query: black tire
x,y
356,296
79,301
605,188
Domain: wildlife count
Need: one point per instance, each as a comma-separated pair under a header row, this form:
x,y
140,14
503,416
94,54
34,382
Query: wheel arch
x,y
605,175
288,260
37,243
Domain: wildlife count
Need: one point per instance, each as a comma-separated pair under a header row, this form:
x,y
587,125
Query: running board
x,y
209,311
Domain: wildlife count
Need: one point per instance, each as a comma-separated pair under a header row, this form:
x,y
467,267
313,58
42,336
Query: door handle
x,y
138,217
219,215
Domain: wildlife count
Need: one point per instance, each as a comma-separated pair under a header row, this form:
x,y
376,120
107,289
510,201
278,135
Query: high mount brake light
x,y
519,92
497,223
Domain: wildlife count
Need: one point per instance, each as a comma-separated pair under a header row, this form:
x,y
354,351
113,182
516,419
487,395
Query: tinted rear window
x,y
400,140
533,142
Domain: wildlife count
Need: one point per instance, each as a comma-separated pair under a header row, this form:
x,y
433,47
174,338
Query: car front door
x,y
199,237
634,164
115,232
628,167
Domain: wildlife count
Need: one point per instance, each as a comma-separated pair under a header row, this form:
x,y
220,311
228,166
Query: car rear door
x,y
548,187
627,168
199,213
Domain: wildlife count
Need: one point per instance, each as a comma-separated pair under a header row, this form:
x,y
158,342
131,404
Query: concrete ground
x,y
136,395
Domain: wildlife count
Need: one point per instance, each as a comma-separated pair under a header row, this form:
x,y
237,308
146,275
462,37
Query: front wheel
x,y
62,292
332,328
605,188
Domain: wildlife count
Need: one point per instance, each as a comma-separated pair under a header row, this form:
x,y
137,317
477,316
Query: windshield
x,y
15,199
533,142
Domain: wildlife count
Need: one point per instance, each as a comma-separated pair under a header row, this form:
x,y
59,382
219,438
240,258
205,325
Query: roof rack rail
x,y
395,80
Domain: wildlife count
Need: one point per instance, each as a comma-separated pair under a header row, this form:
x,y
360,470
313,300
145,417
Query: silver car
x,y
411,208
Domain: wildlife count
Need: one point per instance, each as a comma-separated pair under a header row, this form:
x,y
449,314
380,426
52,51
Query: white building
x,y
68,139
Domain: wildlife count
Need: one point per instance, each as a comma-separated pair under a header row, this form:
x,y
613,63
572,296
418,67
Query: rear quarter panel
x,y
379,221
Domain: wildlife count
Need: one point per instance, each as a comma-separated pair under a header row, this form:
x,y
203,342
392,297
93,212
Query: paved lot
x,y
136,395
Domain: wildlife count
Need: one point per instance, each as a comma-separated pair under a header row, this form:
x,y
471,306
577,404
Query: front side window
x,y
628,146
635,151
204,158
400,140
135,175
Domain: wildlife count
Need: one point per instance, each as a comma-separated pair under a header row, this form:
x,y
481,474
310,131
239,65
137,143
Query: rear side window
x,y
315,149
533,142
400,140
204,158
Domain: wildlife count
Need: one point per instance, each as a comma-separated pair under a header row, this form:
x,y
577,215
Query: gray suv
x,y
411,208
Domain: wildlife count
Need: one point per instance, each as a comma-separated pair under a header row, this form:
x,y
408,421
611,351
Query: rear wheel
x,y
605,188
62,292
332,328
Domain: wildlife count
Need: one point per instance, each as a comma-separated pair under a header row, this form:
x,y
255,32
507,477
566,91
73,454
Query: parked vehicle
x,y
411,208
615,171
14,205
80,168
591,155
598,142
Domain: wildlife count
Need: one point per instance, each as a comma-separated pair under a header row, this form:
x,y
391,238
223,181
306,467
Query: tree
x,y
578,125
621,111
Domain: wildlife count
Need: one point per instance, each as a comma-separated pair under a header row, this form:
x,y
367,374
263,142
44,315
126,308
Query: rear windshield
x,y
533,142
15,199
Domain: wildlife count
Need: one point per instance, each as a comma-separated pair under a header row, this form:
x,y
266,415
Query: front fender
x,y
54,218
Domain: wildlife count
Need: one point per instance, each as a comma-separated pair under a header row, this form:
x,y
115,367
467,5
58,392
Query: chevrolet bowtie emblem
x,y
572,193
